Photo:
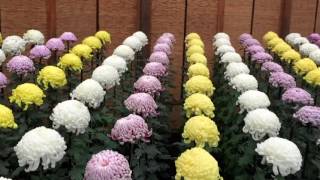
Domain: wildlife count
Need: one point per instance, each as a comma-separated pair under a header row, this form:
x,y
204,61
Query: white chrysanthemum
x,y
220,42
133,42
2,57
261,122
290,37
252,99
33,36
13,45
236,68
3,178
297,42
89,92
40,144
307,48
71,114
142,37
117,62
230,57
221,35
315,56
283,154
224,49
107,76
124,51
244,82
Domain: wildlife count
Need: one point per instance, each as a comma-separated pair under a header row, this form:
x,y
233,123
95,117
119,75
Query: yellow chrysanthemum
x,y
6,118
83,51
313,77
199,104
197,164
92,42
198,69
304,66
281,48
194,49
52,76
273,42
198,42
291,56
199,84
197,58
1,39
191,36
71,62
27,94
104,36
202,130
269,36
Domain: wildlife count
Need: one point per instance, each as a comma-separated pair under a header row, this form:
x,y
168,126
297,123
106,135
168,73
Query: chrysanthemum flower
x,y
236,68
40,51
21,65
220,51
124,51
71,114
244,82
281,48
251,42
148,84
155,69
2,57
133,42
254,49
230,57
83,51
314,37
308,114
283,154
244,37
197,163
162,47
160,57
93,42
313,77
271,67
55,44
164,40
291,56
198,69
52,76
291,36
307,48
33,36
252,99
282,79
68,36
104,36
198,104
7,118
315,56
3,178
220,42
198,42
13,45
142,104
107,76
273,42
40,144
194,49
169,35
142,37
191,36
199,84
297,96
304,66
197,58
27,94
221,35
261,122
117,62
70,62
297,42
201,130
107,165
269,36
261,57
3,80
89,92
131,129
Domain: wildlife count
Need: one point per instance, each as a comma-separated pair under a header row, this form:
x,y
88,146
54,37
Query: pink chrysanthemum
x,y
68,36
297,96
271,67
55,44
142,104
160,57
282,79
40,51
162,47
165,40
155,69
148,84
21,65
3,80
308,114
169,35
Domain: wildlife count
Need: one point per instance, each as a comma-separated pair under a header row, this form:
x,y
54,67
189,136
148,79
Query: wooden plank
x,y
317,22
51,18
76,16
220,15
145,21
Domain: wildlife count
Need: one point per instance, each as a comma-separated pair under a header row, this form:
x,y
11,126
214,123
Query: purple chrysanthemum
x,y
314,37
250,42
155,69
165,40
160,57
21,65
297,96
162,47
142,104
3,80
318,43
254,49
108,165
55,44
244,37
261,57
40,51
169,35
130,129
148,84
282,79
308,114
68,36
271,67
